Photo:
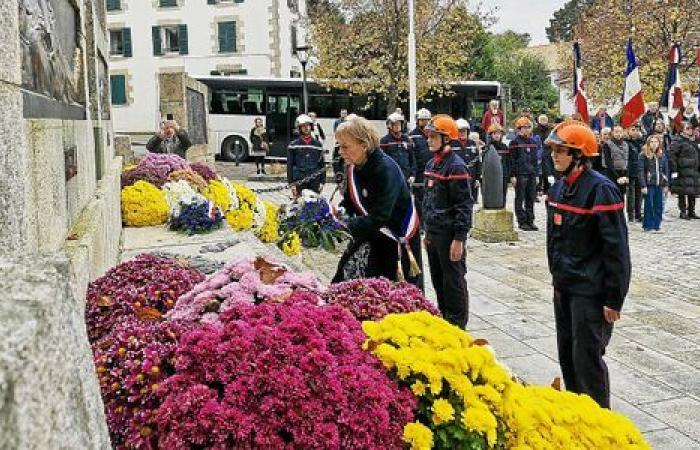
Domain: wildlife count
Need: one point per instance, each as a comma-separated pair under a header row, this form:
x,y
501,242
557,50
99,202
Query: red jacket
x,y
491,118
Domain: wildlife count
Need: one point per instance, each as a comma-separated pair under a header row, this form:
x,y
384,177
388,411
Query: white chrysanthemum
x,y
175,191
235,204
259,214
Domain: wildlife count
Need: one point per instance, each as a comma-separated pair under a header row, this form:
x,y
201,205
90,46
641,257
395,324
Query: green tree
x,y
367,50
561,25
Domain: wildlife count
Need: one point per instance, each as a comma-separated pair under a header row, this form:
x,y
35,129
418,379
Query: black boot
x,y
684,215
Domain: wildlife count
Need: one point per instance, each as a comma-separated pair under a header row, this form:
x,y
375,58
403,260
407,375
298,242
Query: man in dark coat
x,y
525,166
170,140
685,171
634,190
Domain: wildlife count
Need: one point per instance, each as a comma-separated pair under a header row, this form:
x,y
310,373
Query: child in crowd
x,y
653,179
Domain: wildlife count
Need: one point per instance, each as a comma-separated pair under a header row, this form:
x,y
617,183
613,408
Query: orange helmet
x,y
495,128
523,122
574,134
444,125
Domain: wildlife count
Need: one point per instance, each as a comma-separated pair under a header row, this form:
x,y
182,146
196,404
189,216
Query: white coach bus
x,y
235,102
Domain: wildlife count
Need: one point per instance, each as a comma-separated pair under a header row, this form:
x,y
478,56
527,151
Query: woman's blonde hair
x,y
359,130
646,148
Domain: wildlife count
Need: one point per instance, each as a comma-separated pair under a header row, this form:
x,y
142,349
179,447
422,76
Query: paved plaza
x,y
654,356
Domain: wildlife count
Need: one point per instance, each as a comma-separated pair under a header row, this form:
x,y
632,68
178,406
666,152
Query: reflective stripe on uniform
x,y
587,211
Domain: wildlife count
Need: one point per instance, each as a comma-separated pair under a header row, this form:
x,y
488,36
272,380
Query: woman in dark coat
x,y
685,171
382,217
258,137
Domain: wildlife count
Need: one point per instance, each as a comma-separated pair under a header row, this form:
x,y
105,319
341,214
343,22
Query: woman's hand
x,y
456,250
611,316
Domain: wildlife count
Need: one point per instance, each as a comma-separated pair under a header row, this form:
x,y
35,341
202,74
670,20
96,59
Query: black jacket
x,y
179,147
587,238
305,157
653,171
635,147
469,152
421,152
448,202
685,165
523,153
384,194
400,150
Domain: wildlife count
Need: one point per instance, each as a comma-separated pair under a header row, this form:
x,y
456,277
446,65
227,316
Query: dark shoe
x,y
524,227
257,171
533,227
691,215
684,216
263,172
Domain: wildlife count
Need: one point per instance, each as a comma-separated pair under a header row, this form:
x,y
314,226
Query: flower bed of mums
x,y
257,356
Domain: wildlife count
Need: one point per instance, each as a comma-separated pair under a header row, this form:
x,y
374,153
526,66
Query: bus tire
x,y
234,145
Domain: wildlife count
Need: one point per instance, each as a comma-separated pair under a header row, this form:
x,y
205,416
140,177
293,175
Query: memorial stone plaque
x,y
52,63
196,117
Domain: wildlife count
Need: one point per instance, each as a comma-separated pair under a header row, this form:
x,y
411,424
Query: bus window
x,y
322,105
237,101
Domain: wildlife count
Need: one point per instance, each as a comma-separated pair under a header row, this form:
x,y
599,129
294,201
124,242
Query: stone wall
x,y
174,102
60,221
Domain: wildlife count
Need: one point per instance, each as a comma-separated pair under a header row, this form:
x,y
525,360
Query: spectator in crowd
x,y
649,118
341,119
589,258
305,160
690,116
171,139
378,202
615,155
602,120
260,147
653,179
492,116
543,128
523,151
685,171
399,147
448,218
316,129
635,141
422,155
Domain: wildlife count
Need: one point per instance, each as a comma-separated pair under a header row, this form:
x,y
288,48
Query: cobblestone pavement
x,y
654,355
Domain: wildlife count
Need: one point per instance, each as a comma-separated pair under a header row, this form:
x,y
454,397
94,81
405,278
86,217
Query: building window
x,y
118,88
227,37
293,41
114,5
167,3
216,2
169,39
120,42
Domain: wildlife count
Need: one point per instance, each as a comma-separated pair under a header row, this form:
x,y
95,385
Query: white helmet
x,y
303,118
462,124
423,114
393,118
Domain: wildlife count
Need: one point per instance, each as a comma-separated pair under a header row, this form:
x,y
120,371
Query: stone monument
x,y
493,223
60,219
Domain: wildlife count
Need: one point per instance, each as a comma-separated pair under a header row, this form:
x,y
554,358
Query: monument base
x,y
494,225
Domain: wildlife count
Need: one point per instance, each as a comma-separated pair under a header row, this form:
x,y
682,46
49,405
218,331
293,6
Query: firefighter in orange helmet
x,y
524,170
589,259
447,218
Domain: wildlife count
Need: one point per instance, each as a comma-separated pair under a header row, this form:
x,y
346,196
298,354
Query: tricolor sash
x,y
409,225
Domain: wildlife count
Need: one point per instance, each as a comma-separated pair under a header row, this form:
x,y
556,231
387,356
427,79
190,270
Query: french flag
x,y
580,99
632,98
672,98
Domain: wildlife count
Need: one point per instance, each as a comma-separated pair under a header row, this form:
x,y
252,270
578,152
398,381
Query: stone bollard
x,y
493,223
122,147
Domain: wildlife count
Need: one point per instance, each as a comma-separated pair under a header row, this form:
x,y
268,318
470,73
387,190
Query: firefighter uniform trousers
x,y
525,195
448,279
582,335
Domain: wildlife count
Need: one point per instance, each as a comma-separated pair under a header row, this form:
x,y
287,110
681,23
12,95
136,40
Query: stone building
x,y
149,38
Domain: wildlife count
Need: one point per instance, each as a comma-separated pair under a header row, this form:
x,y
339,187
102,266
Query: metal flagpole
x,y
411,63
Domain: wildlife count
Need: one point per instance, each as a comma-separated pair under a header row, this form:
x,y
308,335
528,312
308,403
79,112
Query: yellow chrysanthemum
x,y
292,245
418,436
269,232
218,194
418,388
143,204
240,219
442,411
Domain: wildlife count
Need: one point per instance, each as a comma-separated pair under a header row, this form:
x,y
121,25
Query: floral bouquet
x,y
313,222
143,204
155,169
196,216
242,216
281,375
204,171
190,176
269,232
374,298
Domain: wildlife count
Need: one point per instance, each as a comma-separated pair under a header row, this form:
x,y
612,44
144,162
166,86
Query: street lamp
x,y
302,53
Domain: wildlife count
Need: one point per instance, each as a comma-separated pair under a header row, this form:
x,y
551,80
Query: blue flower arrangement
x,y
314,224
197,218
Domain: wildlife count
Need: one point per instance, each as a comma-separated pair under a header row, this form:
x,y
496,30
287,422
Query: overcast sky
x,y
525,16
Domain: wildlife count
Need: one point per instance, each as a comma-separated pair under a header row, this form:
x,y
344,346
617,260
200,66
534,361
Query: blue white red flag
x,y
672,97
580,99
632,98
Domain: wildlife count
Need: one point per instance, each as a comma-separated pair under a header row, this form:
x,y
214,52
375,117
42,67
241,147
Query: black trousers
x,y
260,162
634,199
525,194
448,280
582,335
686,203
